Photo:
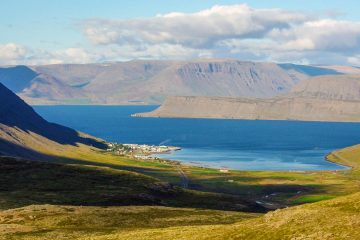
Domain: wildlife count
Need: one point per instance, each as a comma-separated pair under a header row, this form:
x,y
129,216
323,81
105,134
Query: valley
x,y
155,120
52,186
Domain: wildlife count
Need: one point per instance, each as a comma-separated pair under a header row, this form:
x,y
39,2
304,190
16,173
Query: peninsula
x,y
324,98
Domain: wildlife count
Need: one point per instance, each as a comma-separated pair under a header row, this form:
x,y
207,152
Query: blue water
x,y
236,144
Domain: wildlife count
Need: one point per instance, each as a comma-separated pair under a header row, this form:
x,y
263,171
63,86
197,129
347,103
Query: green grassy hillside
x,y
29,182
40,200
334,219
61,187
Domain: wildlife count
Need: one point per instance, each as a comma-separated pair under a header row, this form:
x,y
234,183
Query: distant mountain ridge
x,y
17,78
150,82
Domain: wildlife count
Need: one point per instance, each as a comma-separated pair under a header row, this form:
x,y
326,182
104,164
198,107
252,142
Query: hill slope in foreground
x,y
85,193
325,98
332,219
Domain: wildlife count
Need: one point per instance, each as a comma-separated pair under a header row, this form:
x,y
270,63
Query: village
x,y
140,151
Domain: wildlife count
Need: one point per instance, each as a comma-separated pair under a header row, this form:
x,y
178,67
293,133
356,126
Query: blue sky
x,y
50,28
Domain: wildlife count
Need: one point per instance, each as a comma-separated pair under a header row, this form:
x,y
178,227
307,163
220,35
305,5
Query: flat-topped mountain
x,y
23,131
149,82
326,98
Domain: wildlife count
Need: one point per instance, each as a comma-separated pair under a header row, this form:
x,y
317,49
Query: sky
x,y
83,31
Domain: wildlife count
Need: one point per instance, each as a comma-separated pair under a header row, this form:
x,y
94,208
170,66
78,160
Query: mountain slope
x,y
343,87
149,82
326,220
21,127
325,98
17,78
226,78
332,219
30,84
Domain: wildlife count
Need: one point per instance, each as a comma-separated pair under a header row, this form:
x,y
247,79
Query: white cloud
x,y
237,31
354,60
197,30
74,55
324,34
230,31
14,54
11,53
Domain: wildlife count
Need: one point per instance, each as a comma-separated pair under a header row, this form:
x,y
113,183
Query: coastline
x,y
206,165
334,157
140,115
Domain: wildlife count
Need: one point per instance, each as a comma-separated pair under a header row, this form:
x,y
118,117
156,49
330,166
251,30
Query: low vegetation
x,y
28,182
333,219
79,192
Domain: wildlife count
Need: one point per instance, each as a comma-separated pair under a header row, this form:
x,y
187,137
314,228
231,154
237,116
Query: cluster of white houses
x,y
151,148
144,152
140,151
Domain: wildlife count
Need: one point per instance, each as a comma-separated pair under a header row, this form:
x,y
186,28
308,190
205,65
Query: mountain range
x,y
150,82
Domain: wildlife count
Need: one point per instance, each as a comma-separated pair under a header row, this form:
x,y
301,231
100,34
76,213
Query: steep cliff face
x,y
330,98
149,82
235,78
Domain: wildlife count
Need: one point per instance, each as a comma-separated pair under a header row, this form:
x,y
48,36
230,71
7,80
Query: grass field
x,y
78,192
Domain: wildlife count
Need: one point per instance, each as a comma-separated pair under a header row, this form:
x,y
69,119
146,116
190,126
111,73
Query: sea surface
x,y
234,144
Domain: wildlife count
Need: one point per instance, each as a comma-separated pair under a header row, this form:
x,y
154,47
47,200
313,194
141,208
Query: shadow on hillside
x,y
26,182
14,112
11,149
17,78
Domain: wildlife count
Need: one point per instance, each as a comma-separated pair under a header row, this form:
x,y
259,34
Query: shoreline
x,y
334,153
140,115
201,165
